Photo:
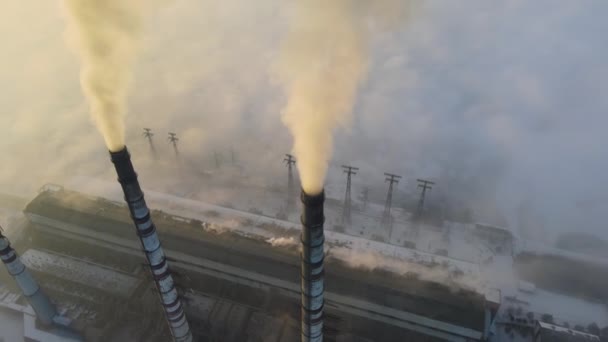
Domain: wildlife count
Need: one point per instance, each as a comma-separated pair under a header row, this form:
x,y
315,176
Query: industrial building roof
x,y
462,311
555,333
80,271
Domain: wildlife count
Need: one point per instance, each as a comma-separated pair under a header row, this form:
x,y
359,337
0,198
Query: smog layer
x,y
501,104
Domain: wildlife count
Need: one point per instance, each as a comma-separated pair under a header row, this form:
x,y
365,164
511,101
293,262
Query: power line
x,y
346,210
387,220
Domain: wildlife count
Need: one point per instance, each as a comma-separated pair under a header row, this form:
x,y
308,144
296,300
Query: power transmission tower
x,y
387,220
365,197
218,159
173,139
425,185
290,162
346,217
148,135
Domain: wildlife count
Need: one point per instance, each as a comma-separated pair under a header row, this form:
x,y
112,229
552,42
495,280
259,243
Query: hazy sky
x,y
503,98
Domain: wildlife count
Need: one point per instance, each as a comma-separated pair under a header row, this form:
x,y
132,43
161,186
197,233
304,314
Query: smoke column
x,y
105,33
323,60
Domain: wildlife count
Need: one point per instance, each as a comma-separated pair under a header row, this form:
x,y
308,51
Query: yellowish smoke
x,y
105,34
323,60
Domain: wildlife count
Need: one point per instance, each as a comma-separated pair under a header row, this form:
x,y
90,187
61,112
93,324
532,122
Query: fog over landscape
x,y
501,103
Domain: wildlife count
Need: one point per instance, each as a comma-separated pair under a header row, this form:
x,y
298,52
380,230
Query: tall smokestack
x,y
312,266
45,310
150,243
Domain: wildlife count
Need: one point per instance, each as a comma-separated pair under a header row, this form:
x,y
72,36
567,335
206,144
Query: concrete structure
x,y
45,310
546,332
312,272
39,321
498,240
146,231
563,274
18,323
235,287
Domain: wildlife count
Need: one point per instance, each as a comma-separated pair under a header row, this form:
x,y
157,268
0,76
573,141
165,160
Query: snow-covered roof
x,y
493,296
247,223
80,271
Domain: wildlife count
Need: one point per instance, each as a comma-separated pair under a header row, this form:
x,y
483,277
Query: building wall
x,y
11,326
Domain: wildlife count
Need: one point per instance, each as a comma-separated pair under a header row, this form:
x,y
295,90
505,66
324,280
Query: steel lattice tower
x,y
387,220
346,211
148,135
424,185
365,197
217,158
290,162
173,139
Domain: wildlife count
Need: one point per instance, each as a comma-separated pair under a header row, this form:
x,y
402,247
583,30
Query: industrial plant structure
x,y
312,272
46,313
146,231
45,310
233,287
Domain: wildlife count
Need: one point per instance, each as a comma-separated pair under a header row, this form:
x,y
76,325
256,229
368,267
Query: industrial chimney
x,y
146,231
312,266
45,310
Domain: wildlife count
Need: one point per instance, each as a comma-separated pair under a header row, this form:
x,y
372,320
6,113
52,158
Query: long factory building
x,y
84,252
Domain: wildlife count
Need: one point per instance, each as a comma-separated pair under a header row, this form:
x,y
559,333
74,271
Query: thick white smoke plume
x,y
324,59
105,33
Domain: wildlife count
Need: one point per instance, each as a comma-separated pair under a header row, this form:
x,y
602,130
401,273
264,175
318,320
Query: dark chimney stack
x,y
151,246
44,309
312,272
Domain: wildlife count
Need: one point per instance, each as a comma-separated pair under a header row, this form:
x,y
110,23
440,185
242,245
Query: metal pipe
x,y
146,231
312,273
45,310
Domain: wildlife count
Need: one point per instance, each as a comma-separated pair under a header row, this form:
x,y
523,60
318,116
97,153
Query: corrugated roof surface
x,y
86,273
